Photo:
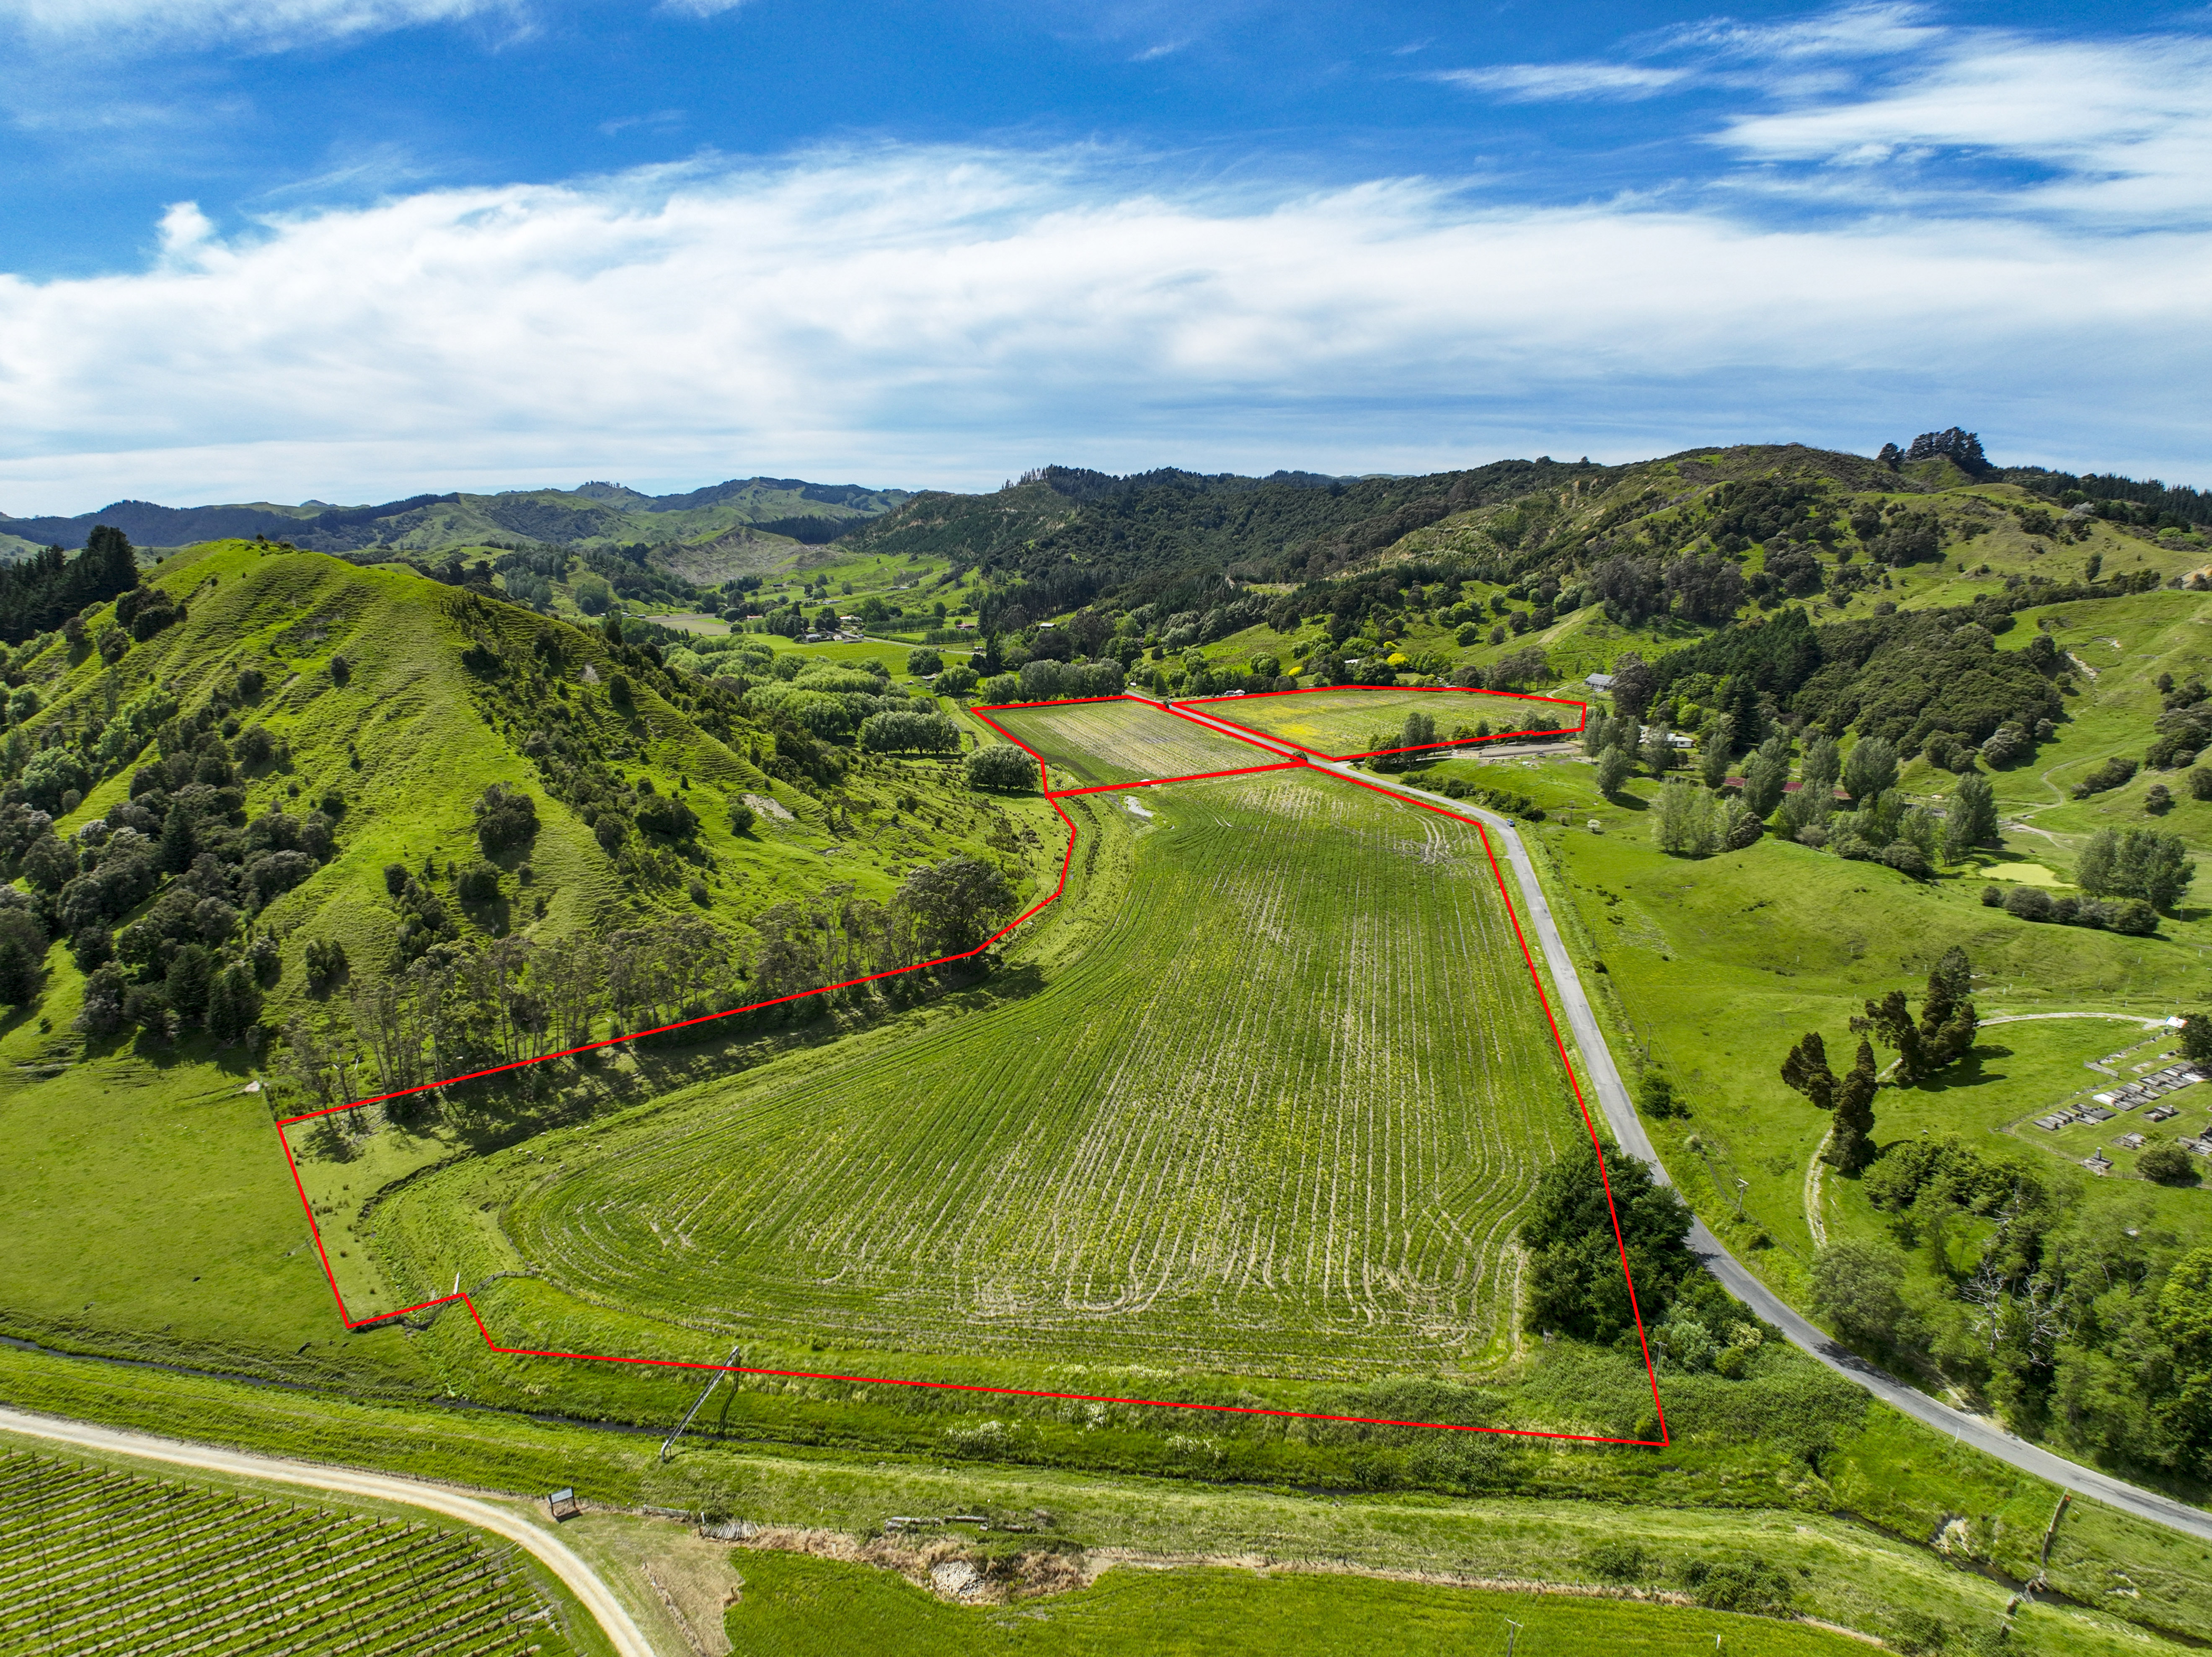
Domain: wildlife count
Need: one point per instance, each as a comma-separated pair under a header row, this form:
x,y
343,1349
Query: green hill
x,y
277,840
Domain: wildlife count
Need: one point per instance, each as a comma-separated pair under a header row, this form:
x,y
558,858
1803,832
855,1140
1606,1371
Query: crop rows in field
x,y
1281,1118
1343,723
93,1560
1126,740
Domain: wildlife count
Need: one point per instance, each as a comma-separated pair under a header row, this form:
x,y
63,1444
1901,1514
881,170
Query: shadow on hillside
x,y
1971,1072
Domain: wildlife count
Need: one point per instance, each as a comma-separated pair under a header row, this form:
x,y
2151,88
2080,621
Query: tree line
x,y
465,1004
41,591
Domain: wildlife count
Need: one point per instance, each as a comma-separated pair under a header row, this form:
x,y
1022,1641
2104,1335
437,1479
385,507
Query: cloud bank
x,y
948,316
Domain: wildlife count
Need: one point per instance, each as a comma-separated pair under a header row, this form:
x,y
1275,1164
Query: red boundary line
x,y
1582,709
1068,860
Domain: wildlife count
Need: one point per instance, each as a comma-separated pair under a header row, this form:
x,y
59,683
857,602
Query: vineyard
x,y
1279,1115
1349,721
1084,744
94,1560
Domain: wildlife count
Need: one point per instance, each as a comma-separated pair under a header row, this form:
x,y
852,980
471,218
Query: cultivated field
x,y
1346,722
94,1559
1280,1116
1124,740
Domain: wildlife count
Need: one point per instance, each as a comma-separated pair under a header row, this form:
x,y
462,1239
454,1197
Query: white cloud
x,y
261,23
1719,52
1543,82
943,316
1847,31
1974,119
2117,127
184,227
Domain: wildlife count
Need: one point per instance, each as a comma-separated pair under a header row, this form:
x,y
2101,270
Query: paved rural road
x,y
1628,1133
582,1579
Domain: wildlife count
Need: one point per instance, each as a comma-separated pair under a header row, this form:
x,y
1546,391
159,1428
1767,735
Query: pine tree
x,y
19,970
1806,1070
1948,1018
234,1004
1850,1146
189,982
178,842
1890,1019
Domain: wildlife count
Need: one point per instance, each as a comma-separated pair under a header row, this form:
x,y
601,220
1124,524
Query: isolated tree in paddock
x,y
1001,766
1613,766
1851,1147
1806,1069
1419,732
1973,816
1871,769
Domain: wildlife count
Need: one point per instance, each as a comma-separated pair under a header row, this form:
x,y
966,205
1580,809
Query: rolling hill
x,y
593,515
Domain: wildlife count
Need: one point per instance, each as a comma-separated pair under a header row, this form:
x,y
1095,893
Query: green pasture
x,y
792,1606
1712,968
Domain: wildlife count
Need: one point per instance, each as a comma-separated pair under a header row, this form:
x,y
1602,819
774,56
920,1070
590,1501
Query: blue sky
x,y
355,249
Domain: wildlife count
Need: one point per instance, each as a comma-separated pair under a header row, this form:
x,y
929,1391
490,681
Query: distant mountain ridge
x,y
595,512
